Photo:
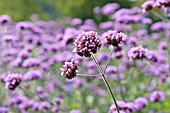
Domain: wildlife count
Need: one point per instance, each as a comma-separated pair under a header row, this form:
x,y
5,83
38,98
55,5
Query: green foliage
x,y
51,9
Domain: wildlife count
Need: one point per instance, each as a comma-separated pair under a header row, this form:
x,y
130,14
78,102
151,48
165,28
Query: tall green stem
x,y
108,61
106,83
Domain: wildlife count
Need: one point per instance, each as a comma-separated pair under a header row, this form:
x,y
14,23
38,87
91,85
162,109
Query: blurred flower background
x,y
52,9
55,54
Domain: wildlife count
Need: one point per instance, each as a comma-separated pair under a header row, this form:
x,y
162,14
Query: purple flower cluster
x,y
157,96
70,69
137,53
129,107
109,8
114,38
12,81
149,4
87,43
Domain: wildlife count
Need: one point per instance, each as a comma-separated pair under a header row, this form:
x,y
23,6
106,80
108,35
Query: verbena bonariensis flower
x,y
114,38
148,5
137,53
109,8
140,103
12,81
70,69
87,43
157,96
4,109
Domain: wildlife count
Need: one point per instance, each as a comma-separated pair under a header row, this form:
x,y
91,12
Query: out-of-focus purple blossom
x,y
155,36
5,19
137,53
75,111
147,5
78,82
161,3
87,27
45,106
128,16
34,17
70,69
163,45
57,101
147,21
92,111
118,53
9,38
31,62
12,81
157,96
55,109
109,8
122,27
33,75
97,90
111,70
158,26
42,94
102,57
17,62
89,22
122,107
4,109
23,25
130,19
96,10
140,103
23,54
114,38
69,35
142,33
152,55
132,41
76,22
106,25
87,43
59,57
120,90
35,107
26,103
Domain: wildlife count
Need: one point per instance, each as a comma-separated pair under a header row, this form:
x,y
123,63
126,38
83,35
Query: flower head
x,y
114,38
148,5
157,96
137,53
70,69
87,43
12,81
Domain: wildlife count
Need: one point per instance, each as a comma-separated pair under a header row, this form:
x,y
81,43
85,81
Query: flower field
x,y
117,62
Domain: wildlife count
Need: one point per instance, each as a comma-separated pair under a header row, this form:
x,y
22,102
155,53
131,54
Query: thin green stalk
x,y
106,83
108,61
87,75
158,15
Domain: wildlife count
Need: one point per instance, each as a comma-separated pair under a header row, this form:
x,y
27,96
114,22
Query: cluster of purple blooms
x,y
114,38
12,81
87,43
70,69
128,107
36,50
137,53
150,4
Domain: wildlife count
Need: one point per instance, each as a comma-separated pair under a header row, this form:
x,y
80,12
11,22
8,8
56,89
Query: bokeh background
x,y
51,9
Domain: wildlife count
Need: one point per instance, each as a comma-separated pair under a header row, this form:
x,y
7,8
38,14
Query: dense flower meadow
x,y
118,62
